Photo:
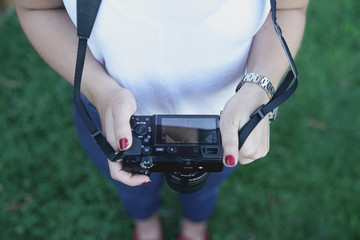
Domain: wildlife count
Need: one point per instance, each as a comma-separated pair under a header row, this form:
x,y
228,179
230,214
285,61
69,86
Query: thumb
x,y
123,107
230,144
123,129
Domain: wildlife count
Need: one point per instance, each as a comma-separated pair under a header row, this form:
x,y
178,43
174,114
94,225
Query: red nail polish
x,y
124,143
146,182
230,160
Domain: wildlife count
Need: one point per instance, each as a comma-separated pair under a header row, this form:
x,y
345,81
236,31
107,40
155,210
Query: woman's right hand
x,y
115,104
115,112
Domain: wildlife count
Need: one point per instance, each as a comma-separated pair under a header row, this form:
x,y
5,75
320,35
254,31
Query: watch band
x,y
259,80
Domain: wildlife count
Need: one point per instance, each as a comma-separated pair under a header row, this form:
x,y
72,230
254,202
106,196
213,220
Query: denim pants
x,y
143,201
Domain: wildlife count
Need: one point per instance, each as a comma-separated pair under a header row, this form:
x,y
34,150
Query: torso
x,y
176,56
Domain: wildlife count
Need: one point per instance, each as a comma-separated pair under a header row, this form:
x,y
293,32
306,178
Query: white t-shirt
x,y
176,56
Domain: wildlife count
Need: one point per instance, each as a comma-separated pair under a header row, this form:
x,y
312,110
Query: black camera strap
x,y
286,89
86,15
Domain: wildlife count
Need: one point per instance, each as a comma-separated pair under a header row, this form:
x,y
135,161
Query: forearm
x,y
267,56
53,35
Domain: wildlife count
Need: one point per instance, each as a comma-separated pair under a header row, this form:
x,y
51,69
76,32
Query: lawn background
x,y
308,187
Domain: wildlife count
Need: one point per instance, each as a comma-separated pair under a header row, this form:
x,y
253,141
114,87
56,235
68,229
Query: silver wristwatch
x,y
259,80
263,82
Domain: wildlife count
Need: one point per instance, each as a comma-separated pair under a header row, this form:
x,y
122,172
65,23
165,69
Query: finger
x,y
244,161
122,130
230,143
117,173
122,126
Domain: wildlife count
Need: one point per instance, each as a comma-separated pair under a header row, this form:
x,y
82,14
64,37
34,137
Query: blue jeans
x,y
143,201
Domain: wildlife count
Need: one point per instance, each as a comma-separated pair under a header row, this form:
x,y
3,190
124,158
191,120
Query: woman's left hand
x,y
235,115
266,57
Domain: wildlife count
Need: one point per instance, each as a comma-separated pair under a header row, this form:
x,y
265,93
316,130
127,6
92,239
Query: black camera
x,y
185,147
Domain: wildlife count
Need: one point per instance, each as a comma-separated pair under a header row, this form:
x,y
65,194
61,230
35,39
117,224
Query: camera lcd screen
x,y
187,130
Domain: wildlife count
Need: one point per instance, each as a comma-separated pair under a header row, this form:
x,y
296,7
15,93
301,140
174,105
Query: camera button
x,y
140,129
147,139
171,149
196,150
147,150
159,149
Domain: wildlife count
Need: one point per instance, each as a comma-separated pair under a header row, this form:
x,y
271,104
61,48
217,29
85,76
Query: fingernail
x,y
230,160
124,143
146,182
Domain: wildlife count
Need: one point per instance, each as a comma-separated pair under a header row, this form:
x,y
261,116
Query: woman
x,y
164,57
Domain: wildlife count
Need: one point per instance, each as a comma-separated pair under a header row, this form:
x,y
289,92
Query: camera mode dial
x,y
147,162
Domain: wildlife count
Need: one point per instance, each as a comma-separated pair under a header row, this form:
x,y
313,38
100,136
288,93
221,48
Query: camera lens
x,y
186,183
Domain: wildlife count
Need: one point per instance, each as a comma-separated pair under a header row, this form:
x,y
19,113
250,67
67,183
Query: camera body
x,y
185,144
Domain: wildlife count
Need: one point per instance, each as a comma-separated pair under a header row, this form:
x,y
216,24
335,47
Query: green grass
x,y
308,187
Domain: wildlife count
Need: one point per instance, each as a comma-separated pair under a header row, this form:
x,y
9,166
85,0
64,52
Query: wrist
x,y
108,94
259,97
98,88
254,92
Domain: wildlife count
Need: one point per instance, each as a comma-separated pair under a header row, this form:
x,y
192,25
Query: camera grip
x,y
135,148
